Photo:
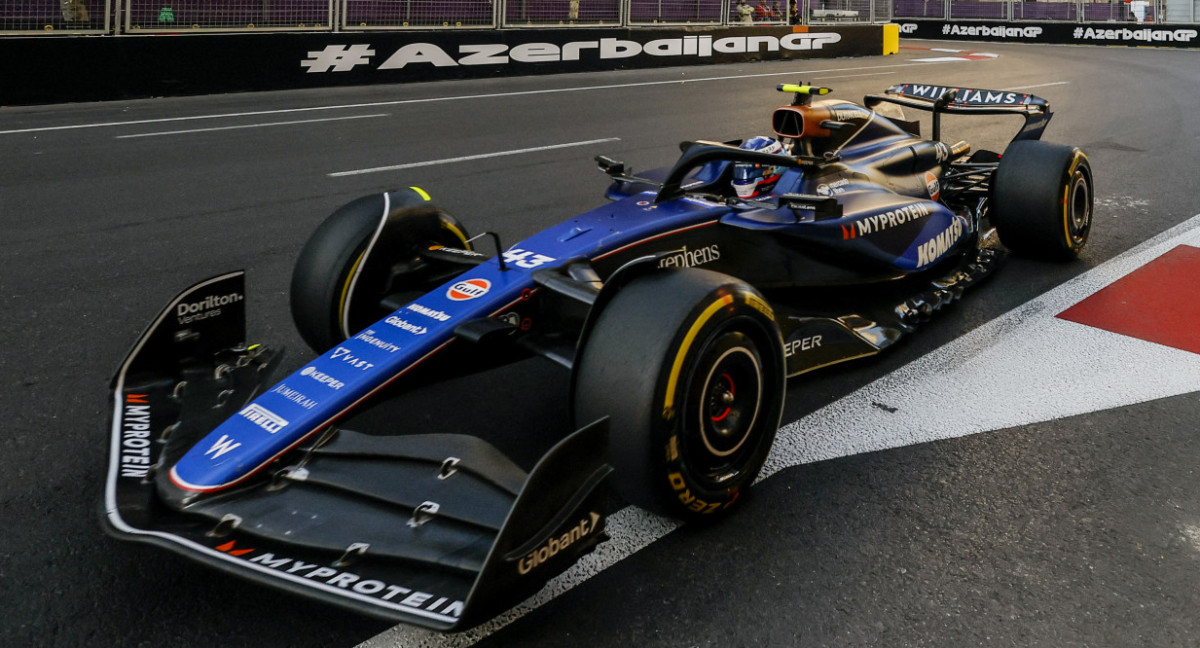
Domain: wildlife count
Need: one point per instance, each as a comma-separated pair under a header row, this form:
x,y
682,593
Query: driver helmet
x,y
751,179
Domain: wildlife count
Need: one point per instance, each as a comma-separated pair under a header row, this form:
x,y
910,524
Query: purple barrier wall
x,y
548,11
969,10
919,9
675,11
1045,11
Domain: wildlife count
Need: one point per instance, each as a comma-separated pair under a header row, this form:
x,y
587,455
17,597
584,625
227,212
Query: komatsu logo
x,y
344,58
934,248
554,545
428,312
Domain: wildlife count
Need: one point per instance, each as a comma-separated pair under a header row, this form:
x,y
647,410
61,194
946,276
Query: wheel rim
x,y
725,396
1079,207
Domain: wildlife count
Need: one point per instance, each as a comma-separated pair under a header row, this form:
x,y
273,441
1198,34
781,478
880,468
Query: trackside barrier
x,y
55,70
42,70
1127,34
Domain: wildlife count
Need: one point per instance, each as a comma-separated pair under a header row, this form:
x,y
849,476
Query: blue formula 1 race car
x,y
678,310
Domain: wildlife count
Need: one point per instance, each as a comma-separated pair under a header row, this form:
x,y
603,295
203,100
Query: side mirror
x,y
610,166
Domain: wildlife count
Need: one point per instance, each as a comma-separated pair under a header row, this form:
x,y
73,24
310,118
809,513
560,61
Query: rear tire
x,y
689,367
337,287
1042,200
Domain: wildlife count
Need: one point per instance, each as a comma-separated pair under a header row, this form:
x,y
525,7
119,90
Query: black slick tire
x,y
1042,200
358,255
689,367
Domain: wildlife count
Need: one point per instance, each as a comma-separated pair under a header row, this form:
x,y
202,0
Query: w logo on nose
x,y
223,445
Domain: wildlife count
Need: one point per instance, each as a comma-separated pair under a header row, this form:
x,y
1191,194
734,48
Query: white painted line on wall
x,y
1023,367
466,158
241,126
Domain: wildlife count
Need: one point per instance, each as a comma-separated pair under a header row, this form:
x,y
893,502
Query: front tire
x,y
362,252
689,367
1042,200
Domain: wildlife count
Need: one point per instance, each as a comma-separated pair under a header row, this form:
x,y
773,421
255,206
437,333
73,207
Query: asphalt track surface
x,y
1078,525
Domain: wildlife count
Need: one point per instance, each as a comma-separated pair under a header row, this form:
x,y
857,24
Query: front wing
x,y
436,530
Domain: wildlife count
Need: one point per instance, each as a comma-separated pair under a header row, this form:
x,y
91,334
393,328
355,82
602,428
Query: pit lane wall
x,y
1102,33
81,68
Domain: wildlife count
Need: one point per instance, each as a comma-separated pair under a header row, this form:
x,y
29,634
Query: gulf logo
x,y
469,289
932,185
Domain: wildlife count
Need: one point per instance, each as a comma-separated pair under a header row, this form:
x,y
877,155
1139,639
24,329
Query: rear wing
x,y
973,101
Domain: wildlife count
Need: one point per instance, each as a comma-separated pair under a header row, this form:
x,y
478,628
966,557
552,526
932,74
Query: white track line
x,y
465,158
495,95
1040,85
950,59
241,126
1023,367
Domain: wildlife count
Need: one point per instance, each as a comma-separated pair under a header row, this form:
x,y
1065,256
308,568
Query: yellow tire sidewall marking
x,y
681,355
346,292
1066,212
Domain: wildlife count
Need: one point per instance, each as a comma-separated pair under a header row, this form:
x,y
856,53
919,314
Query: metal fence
x,y
175,16
194,15
672,12
180,16
56,16
402,14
